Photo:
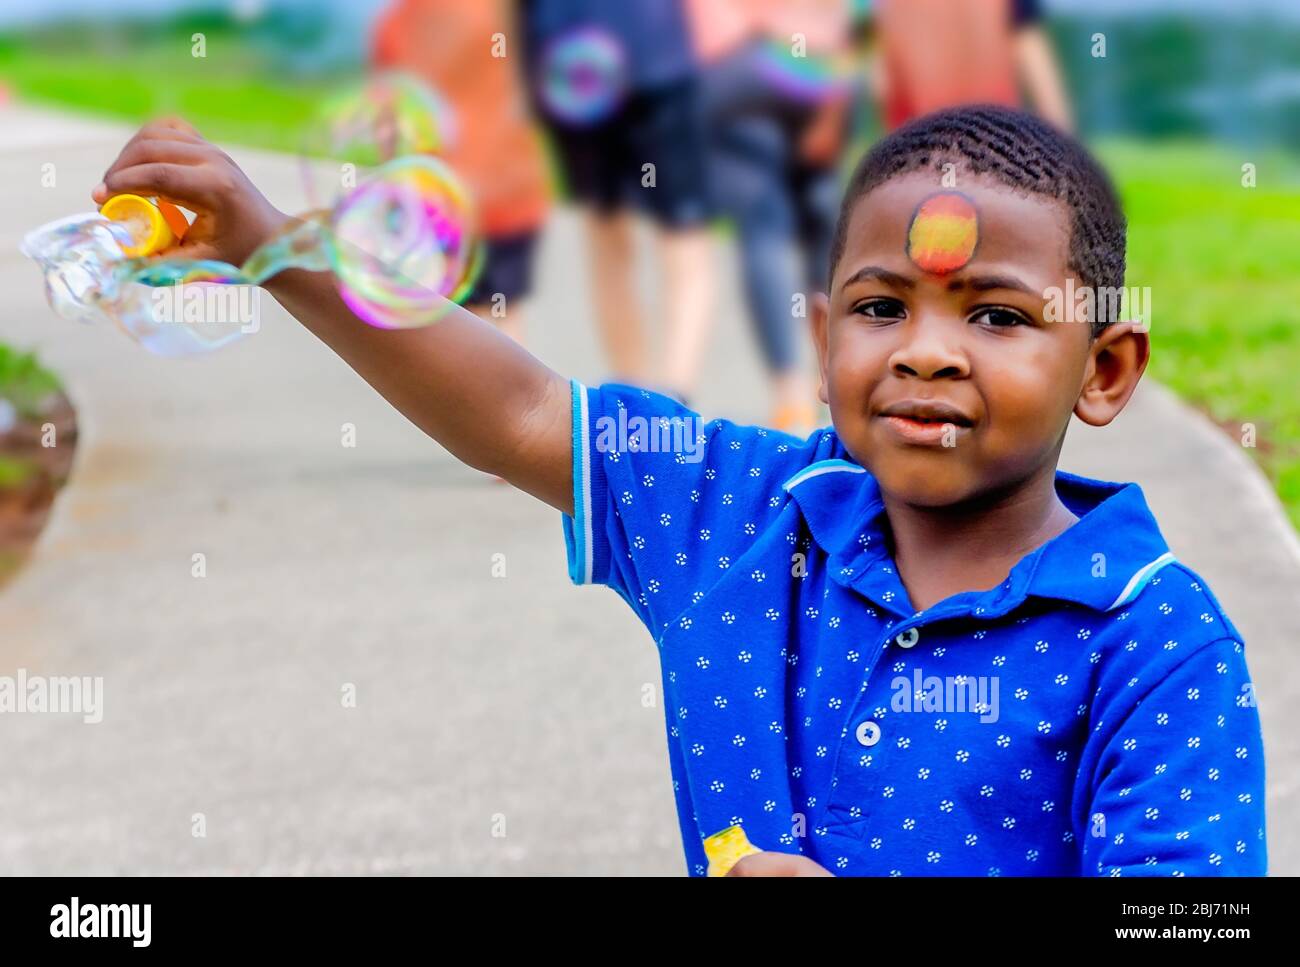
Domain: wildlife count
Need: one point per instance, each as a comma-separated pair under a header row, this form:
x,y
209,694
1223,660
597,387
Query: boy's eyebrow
x,y
869,272
983,283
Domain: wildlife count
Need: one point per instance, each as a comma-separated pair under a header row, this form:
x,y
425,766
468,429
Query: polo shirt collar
x,y
1102,561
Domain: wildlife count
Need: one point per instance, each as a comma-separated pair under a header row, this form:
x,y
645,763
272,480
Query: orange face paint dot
x,y
943,233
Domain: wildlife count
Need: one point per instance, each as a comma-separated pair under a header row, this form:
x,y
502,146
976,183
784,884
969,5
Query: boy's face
x,y
942,376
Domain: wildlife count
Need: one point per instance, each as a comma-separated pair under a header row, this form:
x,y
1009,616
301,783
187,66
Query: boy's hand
x,y
778,864
168,159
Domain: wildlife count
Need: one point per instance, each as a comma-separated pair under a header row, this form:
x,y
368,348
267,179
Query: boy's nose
x,y
930,348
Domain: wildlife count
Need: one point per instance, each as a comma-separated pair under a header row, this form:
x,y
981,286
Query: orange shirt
x,y
942,53
720,26
449,44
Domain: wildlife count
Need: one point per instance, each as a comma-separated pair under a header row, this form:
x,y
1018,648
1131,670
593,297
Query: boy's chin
x,y
927,487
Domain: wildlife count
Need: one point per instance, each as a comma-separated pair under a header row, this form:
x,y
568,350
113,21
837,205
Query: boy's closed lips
x,y
926,422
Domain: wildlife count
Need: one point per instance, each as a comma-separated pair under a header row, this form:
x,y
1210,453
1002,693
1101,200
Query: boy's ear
x,y
1116,362
820,323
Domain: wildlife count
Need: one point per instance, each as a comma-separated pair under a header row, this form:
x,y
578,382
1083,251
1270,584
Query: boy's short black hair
x,y
1023,152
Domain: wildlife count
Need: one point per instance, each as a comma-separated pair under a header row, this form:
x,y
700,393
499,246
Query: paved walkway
x,y
480,699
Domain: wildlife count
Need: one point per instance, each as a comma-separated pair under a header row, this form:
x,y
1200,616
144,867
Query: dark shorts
x,y
507,268
603,163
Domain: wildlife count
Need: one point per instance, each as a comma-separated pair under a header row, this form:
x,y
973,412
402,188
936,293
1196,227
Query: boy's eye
x,y
880,309
1000,318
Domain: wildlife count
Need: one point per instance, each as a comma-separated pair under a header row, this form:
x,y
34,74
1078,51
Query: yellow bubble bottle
x,y
727,848
152,227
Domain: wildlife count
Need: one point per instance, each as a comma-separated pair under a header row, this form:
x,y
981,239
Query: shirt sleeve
x,y
1181,787
664,501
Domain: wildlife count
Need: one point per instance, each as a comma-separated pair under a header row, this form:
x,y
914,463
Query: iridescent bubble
x,y
811,79
77,255
583,75
387,116
88,278
165,329
404,246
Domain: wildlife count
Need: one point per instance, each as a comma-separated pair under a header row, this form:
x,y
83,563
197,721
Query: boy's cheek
x,y
853,373
849,401
1029,395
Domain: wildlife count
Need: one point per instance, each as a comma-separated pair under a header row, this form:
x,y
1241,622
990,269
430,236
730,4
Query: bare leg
x,y
611,241
688,264
794,398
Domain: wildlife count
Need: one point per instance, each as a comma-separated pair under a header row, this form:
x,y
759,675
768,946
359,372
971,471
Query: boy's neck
x,y
942,551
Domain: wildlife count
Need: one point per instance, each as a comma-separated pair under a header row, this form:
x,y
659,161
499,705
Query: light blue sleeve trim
x,y
577,528
1140,580
821,467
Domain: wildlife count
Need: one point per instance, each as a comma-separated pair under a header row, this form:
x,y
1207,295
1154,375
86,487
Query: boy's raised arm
x,y
474,390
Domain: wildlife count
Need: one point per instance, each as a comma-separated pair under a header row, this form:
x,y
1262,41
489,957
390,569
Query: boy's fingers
x,y
169,129
157,131
163,130
149,134
192,186
179,125
151,150
777,864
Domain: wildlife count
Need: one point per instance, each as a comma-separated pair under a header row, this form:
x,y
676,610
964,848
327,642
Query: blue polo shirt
x,y
1091,715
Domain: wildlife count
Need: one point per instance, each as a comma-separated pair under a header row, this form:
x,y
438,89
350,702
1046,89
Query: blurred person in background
x,y
651,118
449,44
934,54
777,97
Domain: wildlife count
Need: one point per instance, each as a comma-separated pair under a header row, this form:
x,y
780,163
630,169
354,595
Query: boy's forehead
x,y
1010,228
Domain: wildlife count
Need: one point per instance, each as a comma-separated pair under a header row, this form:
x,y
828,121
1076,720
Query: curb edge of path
x,y
1257,487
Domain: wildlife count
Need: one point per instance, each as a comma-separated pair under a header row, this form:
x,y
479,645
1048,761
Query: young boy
x,y
908,644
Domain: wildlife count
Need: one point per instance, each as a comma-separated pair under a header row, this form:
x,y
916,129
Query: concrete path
x,y
481,700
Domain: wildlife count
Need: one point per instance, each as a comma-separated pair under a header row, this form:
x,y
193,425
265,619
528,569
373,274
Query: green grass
x,y
1223,265
1222,261
14,473
24,382
231,94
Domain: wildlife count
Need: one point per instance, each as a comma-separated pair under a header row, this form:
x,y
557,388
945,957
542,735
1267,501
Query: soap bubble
x,y
387,116
89,279
404,246
583,75
77,255
806,79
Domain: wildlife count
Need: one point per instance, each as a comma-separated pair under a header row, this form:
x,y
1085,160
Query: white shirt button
x,y
908,638
868,733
